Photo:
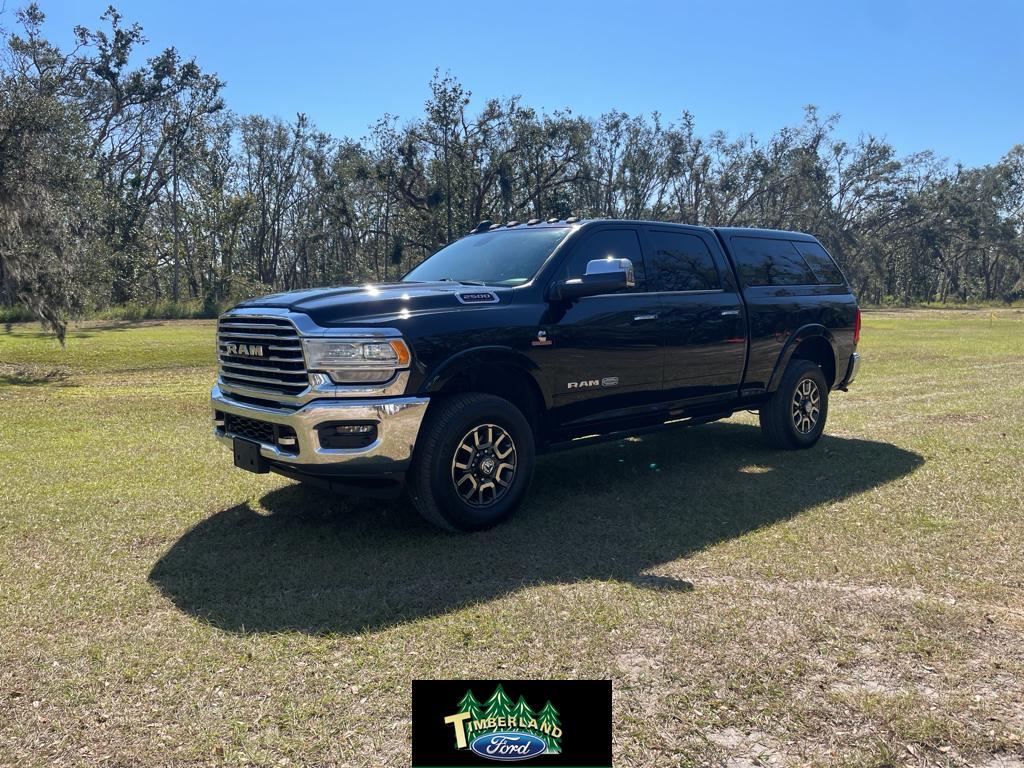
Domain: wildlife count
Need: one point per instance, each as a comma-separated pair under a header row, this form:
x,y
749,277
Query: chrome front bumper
x,y
398,422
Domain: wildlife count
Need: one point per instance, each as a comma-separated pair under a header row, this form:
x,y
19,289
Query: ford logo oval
x,y
507,745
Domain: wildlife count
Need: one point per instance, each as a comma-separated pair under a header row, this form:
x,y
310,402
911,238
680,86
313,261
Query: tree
x,y
443,132
137,120
47,197
470,704
548,717
86,146
522,711
499,705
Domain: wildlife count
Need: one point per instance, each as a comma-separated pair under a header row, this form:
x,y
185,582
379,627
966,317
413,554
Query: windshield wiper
x,y
463,282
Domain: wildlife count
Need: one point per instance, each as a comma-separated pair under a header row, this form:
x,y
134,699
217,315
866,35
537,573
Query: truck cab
x,y
519,339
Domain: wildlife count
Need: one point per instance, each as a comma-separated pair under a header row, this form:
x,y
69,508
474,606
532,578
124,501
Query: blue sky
x,y
927,75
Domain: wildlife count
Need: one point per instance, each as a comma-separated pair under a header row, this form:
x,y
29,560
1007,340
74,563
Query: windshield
x,y
505,257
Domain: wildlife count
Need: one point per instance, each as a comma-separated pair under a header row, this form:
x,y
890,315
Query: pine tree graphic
x,y
471,705
499,705
549,717
523,712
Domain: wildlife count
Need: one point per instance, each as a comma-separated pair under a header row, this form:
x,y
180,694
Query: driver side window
x,y
617,243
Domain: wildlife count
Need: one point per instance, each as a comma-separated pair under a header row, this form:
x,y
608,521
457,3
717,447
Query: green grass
x,y
859,604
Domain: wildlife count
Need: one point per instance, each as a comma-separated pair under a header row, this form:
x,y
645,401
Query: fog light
x,y
354,429
347,435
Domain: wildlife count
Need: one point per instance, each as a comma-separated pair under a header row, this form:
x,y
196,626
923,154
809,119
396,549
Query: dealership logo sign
x,y
509,745
500,729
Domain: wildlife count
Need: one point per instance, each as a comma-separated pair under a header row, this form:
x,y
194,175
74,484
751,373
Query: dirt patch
x,y
1003,761
891,593
747,750
636,665
859,687
33,375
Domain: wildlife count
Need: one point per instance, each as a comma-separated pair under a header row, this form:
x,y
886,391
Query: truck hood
x,y
374,304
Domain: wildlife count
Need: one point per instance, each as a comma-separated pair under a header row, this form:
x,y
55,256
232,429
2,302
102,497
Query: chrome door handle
x,y
638,318
730,312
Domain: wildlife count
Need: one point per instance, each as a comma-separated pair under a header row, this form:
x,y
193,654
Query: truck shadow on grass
x,y
312,562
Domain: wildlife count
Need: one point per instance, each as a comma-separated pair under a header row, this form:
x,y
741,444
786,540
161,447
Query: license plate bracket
x,y
248,456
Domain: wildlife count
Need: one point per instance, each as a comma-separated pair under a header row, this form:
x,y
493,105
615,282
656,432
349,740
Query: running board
x,y
621,434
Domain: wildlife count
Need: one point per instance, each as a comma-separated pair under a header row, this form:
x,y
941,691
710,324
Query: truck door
x,y
702,315
605,352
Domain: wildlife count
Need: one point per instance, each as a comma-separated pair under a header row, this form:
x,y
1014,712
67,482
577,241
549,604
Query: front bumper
x,y
397,419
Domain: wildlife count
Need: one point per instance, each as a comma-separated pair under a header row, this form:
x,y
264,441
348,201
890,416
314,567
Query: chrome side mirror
x,y
610,266
602,276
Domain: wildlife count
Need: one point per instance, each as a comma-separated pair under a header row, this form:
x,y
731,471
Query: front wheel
x,y
795,415
473,462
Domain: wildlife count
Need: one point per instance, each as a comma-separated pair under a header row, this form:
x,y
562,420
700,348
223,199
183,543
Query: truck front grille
x,y
261,353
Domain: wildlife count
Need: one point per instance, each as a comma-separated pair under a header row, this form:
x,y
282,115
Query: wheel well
x,y
818,351
505,381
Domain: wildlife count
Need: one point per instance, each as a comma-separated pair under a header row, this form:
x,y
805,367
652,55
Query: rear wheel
x,y
795,415
473,462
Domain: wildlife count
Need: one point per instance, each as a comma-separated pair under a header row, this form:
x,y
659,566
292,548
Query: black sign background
x,y
584,709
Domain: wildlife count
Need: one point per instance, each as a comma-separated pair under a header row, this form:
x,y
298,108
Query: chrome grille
x,y
278,367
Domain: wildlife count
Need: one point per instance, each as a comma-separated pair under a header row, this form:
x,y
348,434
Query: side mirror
x,y
602,276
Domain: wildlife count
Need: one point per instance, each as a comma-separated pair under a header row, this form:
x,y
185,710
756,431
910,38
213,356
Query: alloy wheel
x,y
806,406
484,465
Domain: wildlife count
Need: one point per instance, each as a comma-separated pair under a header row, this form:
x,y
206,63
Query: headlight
x,y
356,361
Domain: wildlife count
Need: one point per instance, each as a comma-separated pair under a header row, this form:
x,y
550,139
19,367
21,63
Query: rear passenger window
x,y
821,263
764,261
681,262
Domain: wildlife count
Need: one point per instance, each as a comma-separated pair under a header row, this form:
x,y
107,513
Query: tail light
x,y
856,328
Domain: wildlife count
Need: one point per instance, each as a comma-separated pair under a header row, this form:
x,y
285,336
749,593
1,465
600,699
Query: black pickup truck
x,y
529,337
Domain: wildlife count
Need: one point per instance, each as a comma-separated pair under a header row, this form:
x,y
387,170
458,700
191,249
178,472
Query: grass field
x,y
859,604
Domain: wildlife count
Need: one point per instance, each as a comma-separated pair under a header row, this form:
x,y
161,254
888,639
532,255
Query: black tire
x,y
445,457
795,415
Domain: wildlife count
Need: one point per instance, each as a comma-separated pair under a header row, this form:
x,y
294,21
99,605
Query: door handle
x,y
730,312
640,318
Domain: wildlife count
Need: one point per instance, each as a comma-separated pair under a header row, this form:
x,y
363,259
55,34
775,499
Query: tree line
x,y
124,182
